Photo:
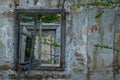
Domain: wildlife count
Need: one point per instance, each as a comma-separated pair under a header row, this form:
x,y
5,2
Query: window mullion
x,y
40,39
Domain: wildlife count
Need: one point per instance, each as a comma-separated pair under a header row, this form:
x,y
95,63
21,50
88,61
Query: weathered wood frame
x,y
44,27
17,12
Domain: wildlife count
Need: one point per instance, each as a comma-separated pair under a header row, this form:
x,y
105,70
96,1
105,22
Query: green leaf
x,y
99,14
80,5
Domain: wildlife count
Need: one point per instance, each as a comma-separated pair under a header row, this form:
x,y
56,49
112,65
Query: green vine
x,y
50,18
49,42
46,18
106,47
99,14
107,3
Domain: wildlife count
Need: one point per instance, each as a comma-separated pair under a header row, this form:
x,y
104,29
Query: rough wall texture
x,y
100,60
117,55
6,37
83,60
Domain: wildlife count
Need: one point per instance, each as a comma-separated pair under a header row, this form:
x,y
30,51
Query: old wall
x,y
100,64
117,46
97,62
6,37
84,61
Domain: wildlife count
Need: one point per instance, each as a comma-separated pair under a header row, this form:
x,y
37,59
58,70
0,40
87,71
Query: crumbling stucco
x,y
84,61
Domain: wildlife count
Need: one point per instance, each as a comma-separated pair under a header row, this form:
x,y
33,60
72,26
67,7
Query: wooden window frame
x,y
63,38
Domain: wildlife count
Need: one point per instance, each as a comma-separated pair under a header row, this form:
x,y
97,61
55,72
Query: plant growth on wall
x,y
106,47
107,3
46,18
100,3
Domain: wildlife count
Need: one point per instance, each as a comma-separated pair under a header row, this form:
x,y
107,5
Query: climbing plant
x,y
50,18
106,47
107,3
46,18
103,4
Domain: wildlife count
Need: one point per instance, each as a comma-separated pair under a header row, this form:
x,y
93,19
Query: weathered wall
x,y
83,60
100,65
117,46
6,37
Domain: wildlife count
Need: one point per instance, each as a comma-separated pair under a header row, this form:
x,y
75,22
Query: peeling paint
x,y
83,60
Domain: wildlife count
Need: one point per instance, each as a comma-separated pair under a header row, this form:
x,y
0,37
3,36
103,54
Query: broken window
x,y
40,36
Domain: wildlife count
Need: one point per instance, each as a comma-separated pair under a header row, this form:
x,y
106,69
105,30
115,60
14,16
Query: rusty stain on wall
x,y
94,27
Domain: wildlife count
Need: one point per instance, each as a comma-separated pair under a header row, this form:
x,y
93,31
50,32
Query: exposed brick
x,y
8,15
94,27
78,54
5,67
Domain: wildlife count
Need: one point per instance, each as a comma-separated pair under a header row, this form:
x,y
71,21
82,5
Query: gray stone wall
x,y
100,65
83,60
6,38
117,42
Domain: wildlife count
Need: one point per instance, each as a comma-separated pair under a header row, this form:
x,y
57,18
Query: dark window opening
x,y
40,35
